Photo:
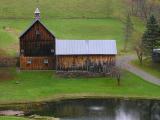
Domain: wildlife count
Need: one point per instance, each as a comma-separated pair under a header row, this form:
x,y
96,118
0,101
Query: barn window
x,y
22,51
29,61
37,35
52,50
45,61
37,32
38,44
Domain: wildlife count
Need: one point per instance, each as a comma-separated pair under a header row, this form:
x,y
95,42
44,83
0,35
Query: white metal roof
x,y
86,47
156,50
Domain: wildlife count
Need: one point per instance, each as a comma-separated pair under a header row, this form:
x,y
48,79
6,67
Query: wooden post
x,y
56,63
118,79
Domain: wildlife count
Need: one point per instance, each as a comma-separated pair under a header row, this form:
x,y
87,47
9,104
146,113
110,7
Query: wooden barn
x,y
39,50
37,47
85,55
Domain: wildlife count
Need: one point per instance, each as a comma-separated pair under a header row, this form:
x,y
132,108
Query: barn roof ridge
x,y
32,25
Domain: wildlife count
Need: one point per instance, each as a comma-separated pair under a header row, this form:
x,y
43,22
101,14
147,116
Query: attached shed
x,y
85,54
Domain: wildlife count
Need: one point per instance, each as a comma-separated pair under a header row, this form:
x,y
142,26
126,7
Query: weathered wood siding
x,y
39,44
37,63
81,62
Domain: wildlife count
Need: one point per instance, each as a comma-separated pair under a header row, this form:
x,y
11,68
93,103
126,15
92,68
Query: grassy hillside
x,y
66,29
76,26
63,8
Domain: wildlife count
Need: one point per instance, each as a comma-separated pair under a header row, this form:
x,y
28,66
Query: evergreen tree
x,y
128,31
151,37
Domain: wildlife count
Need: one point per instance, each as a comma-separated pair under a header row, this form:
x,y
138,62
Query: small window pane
x,y
45,61
22,51
52,50
29,61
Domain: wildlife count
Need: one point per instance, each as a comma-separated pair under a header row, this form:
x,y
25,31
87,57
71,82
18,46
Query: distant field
x,y
63,8
66,29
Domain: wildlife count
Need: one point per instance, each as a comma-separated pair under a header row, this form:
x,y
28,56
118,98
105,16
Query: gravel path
x,y
124,63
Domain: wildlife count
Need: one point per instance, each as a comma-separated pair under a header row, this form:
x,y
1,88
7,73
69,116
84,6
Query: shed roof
x,y
156,50
86,47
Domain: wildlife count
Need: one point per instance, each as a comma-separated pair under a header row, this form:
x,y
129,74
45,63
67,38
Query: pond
x,y
100,109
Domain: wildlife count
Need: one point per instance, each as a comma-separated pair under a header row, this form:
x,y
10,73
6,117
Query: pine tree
x,y
128,31
151,37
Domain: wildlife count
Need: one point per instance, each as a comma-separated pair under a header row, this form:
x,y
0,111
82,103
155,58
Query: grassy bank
x,y
37,86
149,67
22,118
12,118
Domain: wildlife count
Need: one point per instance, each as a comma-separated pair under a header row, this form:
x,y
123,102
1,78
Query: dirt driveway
x,y
124,63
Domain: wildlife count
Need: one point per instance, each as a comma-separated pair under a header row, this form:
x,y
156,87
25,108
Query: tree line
x,y
146,43
150,39
144,8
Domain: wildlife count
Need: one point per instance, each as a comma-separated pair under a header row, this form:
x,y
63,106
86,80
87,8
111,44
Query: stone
x,y
38,117
12,113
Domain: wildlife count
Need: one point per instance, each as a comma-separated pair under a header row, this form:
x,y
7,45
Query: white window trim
x,y
45,61
29,61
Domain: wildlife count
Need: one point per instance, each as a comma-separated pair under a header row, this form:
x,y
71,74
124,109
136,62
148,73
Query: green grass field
x,y
67,29
39,86
13,118
149,67
63,8
68,19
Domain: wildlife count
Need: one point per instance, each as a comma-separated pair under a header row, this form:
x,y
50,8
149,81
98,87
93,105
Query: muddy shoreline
x,y
81,96
50,108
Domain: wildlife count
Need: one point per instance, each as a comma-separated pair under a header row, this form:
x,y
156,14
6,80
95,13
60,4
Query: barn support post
x,y
56,63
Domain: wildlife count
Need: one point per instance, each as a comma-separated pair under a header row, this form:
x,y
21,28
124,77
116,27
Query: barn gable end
x,y
33,25
37,47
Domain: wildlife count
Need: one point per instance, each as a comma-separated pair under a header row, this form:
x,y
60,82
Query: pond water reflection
x,y
92,109
101,109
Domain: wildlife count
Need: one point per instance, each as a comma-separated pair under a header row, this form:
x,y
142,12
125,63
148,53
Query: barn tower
x,y
37,14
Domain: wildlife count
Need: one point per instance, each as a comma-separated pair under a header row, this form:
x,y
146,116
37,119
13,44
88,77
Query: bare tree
x,y
128,31
144,8
139,51
117,73
109,8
